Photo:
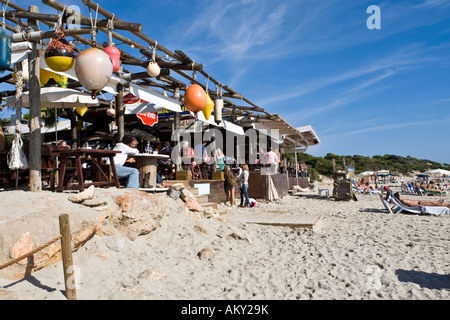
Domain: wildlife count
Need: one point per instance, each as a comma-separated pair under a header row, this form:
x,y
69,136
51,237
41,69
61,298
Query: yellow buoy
x,y
209,107
46,75
81,110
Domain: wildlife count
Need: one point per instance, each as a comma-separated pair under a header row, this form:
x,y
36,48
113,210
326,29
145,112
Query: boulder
x,y
186,195
177,186
138,213
206,253
83,195
173,194
193,205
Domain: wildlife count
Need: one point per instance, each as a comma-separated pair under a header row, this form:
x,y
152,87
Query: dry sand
x,y
356,251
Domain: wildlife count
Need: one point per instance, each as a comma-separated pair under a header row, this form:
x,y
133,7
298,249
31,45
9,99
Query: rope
x,y
3,266
94,27
16,156
4,13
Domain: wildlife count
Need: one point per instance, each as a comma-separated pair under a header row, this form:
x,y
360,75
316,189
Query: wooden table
x,y
147,164
81,156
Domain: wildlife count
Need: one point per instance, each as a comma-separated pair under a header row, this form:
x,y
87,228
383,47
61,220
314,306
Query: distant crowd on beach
x,y
420,187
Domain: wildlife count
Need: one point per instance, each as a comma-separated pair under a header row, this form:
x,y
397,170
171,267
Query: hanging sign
x,y
132,99
149,118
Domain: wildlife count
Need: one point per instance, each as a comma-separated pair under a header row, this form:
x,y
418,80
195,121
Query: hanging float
x,y
195,98
207,110
5,51
94,69
112,51
114,55
46,75
59,55
218,106
153,68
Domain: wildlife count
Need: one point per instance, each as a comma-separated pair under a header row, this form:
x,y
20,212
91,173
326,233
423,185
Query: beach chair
x,y
359,191
356,189
435,193
398,207
405,188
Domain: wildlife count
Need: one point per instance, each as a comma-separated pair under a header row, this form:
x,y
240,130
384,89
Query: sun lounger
x,y
398,207
359,191
436,193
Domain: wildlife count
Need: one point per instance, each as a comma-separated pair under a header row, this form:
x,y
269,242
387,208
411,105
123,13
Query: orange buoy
x,y
195,98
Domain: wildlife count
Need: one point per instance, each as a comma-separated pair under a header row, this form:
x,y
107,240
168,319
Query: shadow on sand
x,y
425,279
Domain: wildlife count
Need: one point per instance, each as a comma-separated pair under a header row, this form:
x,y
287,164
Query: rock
x,y
139,213
209,212
173,194
83,195
236,236
207,253
95,202
193,205
186,195
177,186
202,229
21,247
152,275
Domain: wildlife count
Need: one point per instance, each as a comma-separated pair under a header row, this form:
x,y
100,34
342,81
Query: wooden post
x,y
176,122
120,113
35,112
73,129
67,259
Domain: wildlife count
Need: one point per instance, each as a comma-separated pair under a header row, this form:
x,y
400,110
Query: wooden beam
x,y
120,25
40,35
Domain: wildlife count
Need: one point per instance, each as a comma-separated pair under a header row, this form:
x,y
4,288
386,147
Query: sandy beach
x,y
355,251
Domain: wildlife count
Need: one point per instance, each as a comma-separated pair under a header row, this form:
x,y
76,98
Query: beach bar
x,y
155,96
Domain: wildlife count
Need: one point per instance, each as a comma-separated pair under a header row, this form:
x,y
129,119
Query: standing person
x,y
230,184
127,148
244,185
272,159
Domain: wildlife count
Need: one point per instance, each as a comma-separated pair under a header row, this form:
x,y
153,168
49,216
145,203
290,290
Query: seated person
x,y
365,185
127,148
200,153
187,153
434,188
219,158
166,165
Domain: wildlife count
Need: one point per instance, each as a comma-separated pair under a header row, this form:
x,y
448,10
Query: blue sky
x,y
364,91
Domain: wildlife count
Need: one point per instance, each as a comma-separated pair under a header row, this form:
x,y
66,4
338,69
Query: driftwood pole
x,y
176,122
35,112
67,259
120,113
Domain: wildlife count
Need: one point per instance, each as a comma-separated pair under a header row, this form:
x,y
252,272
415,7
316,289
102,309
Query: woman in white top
x,y
244,186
